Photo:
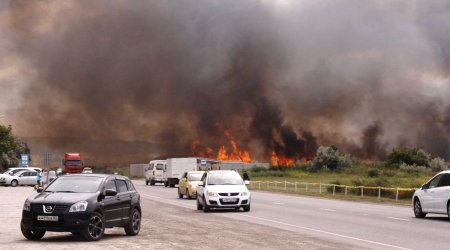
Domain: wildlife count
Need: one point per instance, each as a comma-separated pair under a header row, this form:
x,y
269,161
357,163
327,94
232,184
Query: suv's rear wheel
x,y
95,229
180,195
14,183
134,226
31,235
146,182
418,209
187,194
448,209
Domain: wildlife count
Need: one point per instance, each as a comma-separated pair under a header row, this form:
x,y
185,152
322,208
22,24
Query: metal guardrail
x,y
322,188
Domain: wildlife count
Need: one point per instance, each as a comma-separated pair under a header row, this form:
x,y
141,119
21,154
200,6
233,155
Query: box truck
x,y
176,167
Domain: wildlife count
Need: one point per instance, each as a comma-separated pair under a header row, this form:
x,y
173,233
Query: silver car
x,y
25,177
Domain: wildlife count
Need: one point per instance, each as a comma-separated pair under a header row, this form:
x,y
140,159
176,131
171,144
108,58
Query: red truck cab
x,y
72,163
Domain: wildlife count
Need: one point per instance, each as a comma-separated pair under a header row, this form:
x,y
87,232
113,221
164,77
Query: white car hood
x,y
227,188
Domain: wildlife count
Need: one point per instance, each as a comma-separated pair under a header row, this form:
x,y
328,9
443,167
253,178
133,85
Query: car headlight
x,y
80,206
214,194
244,194
27,205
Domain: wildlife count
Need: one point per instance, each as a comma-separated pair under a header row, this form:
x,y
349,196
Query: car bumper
x,y
67,222
224,202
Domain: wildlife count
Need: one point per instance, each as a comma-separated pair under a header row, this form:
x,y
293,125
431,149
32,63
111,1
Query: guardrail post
x,y
296,187
276,185
285,185
334,188
259,185
320,188
306,187
362,191
345,190
396,195
379,192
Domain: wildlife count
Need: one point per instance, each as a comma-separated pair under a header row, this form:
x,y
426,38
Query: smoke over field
x,y
131,80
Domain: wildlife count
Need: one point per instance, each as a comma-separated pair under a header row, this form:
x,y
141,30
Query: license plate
x,y
47,218
229,199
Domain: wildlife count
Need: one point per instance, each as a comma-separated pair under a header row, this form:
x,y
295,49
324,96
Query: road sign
x,y
203,163
24,159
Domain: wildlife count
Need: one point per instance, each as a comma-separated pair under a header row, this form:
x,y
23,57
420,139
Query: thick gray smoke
x,y
133,80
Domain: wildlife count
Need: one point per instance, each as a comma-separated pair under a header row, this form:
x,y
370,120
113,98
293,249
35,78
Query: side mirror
x,y
39,189
425,186
247,182
201,184
110,192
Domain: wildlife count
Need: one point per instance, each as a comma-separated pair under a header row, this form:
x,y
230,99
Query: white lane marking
x,y
277,203
328,209
291,225
325,232
394,218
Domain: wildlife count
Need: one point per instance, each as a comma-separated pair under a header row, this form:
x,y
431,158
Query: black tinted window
x,y
130,185
434,183
445,181
122,185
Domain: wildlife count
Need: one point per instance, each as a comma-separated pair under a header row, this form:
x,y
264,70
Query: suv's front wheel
x,y
199,206
418,209
31,235
96,228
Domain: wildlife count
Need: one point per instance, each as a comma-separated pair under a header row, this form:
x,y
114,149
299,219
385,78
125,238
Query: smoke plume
x,y
127,81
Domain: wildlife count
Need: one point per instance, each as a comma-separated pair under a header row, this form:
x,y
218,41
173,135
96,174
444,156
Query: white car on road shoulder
x,y
222,189
433,196
26,177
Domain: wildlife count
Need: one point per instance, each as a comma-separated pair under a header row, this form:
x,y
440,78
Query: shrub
x,y
373,173
329,158
415,156
438,164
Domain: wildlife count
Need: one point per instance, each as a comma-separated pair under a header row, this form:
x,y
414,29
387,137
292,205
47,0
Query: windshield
x,y
232,178
159,167
73,163
75,185
195,177
7,171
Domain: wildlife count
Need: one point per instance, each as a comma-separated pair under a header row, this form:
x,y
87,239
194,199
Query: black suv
x,y
83,204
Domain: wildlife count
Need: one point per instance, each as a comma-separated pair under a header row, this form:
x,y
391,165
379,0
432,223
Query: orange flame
x,y
276,160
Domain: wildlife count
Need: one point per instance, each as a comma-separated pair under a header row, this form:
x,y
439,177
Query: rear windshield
x,y
75,185
73,163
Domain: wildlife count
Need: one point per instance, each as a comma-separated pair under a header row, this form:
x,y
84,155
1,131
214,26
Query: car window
x,y
435,181
231,178
160,167
122,186
194,176
445,180
23,174
111,184
130,185
32,173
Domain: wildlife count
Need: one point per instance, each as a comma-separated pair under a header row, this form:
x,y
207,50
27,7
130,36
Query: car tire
x,y
31,235
187,194
14,183
418,209
134,226
247,208
166,184
448,209
180,195
206,208
95,229
199,206
152,182
146,182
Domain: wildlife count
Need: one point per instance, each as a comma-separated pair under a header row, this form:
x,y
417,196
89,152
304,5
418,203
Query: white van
x,y
154,172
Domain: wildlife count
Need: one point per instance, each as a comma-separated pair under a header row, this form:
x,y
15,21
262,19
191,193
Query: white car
x,y
222,189
26,177
12,171
87,170
433,196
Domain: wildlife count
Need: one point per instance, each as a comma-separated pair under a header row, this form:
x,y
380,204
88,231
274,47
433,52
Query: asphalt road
x,y
344,223
276,221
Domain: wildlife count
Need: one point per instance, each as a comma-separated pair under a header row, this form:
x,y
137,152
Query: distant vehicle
x,y
72,163
12,171
154,172
433,196
59,171
87,170
188,184
222,189
24,177
83,204
176,167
